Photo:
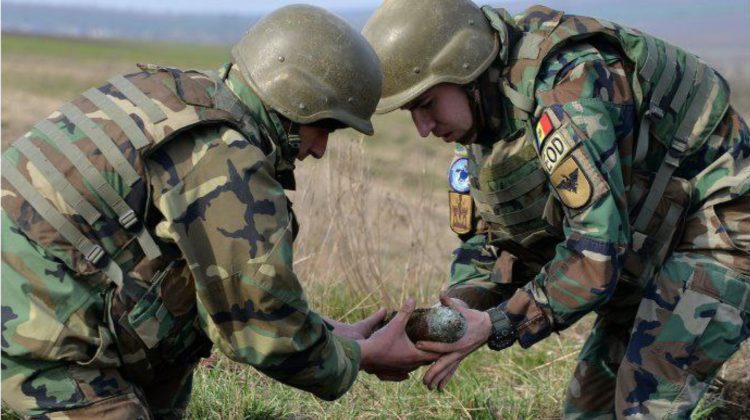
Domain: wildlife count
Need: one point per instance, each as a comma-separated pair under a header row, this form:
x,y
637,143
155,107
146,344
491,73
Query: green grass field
x,y
374,230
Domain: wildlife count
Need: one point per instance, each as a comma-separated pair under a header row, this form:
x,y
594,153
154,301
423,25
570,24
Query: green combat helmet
x,y
309,65
422,43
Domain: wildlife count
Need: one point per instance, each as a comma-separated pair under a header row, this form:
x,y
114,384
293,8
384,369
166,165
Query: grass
x,y
87,51
374,230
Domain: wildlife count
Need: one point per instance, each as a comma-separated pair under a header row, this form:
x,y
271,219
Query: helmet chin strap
x,y
293,138
477,116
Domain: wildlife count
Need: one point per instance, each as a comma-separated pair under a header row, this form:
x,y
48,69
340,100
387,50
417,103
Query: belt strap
x,y
103,142
92,252
670,163
126,216
652,59
531,212
143,102
58,181
518,99
699,104
689,75
655,112
514,191
119,116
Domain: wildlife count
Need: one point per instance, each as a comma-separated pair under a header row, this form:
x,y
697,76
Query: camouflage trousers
x,y
654,354
68,390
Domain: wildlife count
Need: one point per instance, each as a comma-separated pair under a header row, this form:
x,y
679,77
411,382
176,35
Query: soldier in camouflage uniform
x,y
146,220
599,169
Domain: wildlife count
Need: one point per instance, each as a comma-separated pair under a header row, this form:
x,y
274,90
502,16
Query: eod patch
x,y
555,149
571,183
571,173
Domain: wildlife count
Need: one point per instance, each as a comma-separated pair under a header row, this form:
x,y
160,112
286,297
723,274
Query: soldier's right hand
x,y
389,354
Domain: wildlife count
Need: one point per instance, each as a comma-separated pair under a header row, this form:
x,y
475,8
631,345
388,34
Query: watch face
x,y
458,176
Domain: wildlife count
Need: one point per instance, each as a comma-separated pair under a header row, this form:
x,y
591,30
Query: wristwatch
x,y
503,334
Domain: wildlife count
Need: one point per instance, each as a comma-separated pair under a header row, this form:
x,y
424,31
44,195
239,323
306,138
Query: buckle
x,y
678,145
128,219
95,255
654,111
639,239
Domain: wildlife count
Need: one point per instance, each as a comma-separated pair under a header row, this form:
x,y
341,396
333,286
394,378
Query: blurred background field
x,y
374,231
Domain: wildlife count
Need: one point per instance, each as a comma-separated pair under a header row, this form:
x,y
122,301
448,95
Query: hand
x,y
359,330
478,330
389,353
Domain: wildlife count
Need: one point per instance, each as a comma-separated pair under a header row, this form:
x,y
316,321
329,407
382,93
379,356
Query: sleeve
x,y
590,103
230,218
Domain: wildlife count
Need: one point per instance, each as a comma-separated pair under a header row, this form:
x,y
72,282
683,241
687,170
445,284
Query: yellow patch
x,y
462,208
572,184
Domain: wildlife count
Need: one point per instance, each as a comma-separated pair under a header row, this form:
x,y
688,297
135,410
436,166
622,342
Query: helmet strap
x,y
293,139
477,116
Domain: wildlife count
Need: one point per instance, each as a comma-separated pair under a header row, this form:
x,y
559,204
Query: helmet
x,y
421,43
309,65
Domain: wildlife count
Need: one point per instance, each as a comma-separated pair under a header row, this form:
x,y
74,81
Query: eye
x,y
426,104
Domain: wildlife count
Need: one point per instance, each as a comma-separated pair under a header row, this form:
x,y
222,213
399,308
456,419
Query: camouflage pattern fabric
x,y
675,346
210,197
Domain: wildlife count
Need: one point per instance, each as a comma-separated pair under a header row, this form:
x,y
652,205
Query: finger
x,y
446,373
401,318
374,319
446,300
443,364
436,346
425,357
368,325
443,382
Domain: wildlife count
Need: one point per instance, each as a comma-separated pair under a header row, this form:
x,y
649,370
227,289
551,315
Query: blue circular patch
x,y
458,175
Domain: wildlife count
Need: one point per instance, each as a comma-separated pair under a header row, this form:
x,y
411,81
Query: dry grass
x,y
374,229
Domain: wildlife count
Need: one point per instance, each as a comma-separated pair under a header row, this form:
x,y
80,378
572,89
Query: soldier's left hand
x,y
361,329
478,331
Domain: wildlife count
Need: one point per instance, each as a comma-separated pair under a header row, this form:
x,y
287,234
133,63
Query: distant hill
x,y
117,24
716,30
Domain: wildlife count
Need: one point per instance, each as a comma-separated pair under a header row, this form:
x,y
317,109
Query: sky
x,y
212,6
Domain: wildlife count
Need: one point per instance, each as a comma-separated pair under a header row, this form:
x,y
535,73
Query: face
x,y
444,111
313,141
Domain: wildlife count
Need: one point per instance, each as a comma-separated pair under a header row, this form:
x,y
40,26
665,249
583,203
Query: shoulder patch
x,y
546,124
543,128
571,183
462,210
458,175
555,150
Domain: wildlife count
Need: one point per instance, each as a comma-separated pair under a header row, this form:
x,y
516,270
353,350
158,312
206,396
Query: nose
x,y
319,148
423,122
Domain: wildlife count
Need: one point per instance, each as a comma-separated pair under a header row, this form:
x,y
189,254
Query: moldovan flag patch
x,y
543,128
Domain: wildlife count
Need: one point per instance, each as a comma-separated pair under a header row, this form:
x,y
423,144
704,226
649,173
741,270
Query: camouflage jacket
x,y
211,198
570,222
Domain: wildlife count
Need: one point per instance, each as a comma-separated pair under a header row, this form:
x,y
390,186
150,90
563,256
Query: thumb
x,y
373,320
453,303
399,321
447,301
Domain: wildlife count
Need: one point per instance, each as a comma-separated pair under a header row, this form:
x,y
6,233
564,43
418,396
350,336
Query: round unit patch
x,y
458,175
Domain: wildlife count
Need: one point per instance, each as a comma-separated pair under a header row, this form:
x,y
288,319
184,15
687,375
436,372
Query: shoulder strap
x,y
143,102
93,253
125,215
120,117
109,149
58,181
